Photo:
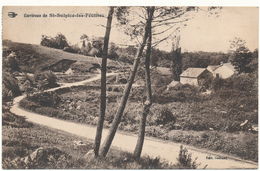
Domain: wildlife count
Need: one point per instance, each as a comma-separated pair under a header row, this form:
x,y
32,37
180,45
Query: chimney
x,y
221,63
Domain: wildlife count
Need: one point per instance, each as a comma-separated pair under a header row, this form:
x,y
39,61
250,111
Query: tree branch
x,y
170,18
169,23
154,34
156,43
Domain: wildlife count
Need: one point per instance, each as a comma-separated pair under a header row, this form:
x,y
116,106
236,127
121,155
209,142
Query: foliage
x,y
217,83
48,99
97,46
48,41
12,120
58,42
72,49
45,79
186,93
164,116
10,63
241,144
241,57
185,160
176,66
49,158
61,41
84,37
112,51
19,143
10,87
86,49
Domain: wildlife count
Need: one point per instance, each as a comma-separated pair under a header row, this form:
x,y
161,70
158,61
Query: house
x,y
195,76
225,70
174,85
212,68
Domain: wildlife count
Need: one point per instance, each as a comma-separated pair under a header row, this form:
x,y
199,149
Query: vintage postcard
x,y
129,87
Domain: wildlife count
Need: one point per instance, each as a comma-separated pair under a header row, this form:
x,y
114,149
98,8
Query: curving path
x,y
153,147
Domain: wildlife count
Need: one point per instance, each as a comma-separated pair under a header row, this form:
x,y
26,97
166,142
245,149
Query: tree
x,y
84,38
107,143
176,66
103,84
61,41
48,41
148,99
254,63
241,56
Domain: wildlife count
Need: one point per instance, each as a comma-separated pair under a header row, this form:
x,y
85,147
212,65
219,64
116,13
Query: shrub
x,y
72,49
10,87
47,99
49,158
113,56
217,83
59,42
10,119
164,116
10,63
185,160
45,79
126,59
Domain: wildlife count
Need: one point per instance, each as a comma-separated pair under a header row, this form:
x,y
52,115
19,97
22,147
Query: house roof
x,y
226,66
192,72
164,70
173,83
213,67
230,66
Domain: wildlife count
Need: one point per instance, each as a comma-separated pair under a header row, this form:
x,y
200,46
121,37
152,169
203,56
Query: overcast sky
x,y
202,33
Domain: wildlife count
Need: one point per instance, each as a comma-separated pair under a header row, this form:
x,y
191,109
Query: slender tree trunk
x,y
148,100
103,84
117,119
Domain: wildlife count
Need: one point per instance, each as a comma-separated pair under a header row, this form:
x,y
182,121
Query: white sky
x,y
202,33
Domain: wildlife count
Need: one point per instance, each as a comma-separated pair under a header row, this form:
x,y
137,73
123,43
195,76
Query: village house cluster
x,y
196,76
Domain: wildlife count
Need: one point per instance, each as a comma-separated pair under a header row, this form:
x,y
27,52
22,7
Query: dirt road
x,y
152,147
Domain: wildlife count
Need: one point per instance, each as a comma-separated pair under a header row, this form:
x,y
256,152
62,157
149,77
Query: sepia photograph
x,y
130,87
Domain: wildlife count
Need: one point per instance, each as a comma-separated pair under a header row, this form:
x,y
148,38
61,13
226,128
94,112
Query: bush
x,y
10,87
185,161
71,49
163,116
113,56
45,79
47,99
59,42
12,120
10,63
49,158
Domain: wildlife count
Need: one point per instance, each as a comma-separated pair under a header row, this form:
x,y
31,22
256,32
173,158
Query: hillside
x,y
33,57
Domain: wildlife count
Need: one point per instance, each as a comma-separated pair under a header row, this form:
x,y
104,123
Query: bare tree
x,y
103,83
